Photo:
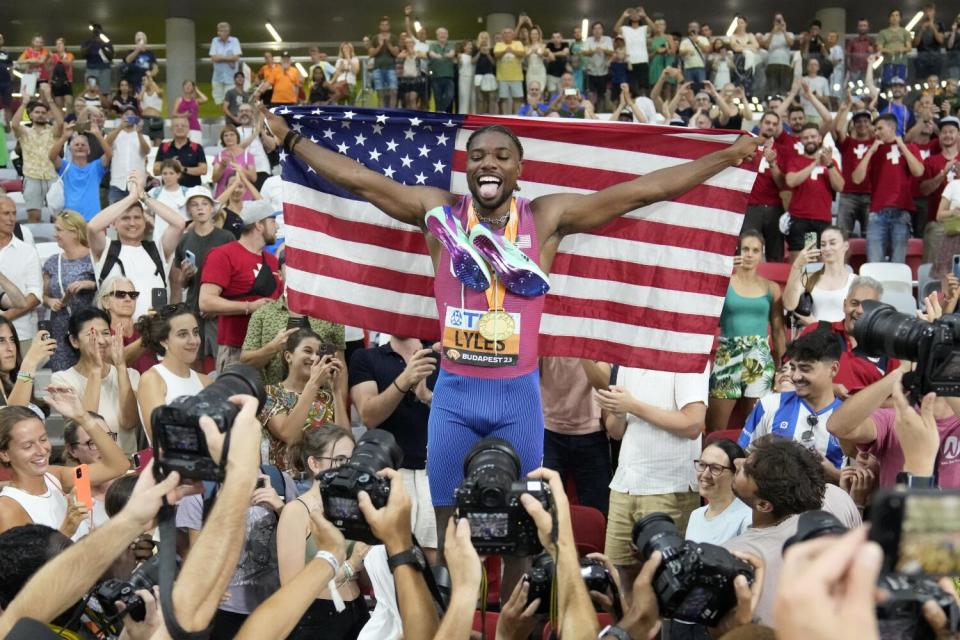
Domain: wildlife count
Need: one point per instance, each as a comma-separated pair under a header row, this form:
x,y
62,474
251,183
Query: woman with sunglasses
x,y
304,400
173,334
80,448
16,372
725,516
101,377
326,447
118,297
38,491
68,282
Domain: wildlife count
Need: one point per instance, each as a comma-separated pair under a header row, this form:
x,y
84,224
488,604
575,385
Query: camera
x,y
933,346
815,524
900,616
489,499
178,442
595,578
108,592
694,582
375,450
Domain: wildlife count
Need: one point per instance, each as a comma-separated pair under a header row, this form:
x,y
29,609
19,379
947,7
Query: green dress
x,y
660,61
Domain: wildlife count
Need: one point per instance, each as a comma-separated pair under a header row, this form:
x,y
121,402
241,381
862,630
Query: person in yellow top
x,y
285,81
509,54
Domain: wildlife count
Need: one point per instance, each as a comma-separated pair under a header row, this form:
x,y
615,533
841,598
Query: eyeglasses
x,y
89,444
336,461
716,470
120,295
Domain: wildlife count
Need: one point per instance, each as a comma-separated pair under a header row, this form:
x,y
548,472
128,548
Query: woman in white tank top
x,y
38,491
173,334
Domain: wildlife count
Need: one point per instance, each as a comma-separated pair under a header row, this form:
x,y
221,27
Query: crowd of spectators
x,y
163,279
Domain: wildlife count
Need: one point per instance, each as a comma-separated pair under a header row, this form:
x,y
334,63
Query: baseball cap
x,y
862,113
199,192
255,211
897,80
285,54
952,120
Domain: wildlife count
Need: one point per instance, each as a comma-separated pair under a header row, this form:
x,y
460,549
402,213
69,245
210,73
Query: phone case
x,y
82,486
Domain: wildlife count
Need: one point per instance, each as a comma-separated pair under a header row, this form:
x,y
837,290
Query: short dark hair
x,y
816,23
810,125
816,346
81,317
33,104
887,117
496,128
23,551
119,493
733,450
771,113
787,474
794,107
239,73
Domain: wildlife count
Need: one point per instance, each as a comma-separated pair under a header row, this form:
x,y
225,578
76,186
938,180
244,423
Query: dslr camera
x,y
108,592
178,441
933,346
376,449
694,582
595,578
489,499
900,616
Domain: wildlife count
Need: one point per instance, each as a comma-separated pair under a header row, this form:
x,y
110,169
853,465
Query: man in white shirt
x,y
20,263
130,150
598,50
634,34
660,417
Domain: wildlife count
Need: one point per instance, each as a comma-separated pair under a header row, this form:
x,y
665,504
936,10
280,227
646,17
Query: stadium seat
x,y
724,434
914,255
494,576
903,302
42,231
895,276
488,617
589,529
857,254
46,249
776,271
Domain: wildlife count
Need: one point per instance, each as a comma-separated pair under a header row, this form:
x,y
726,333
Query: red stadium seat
x,y
858,253
494,576
589,529
914,255
729,434
491,618
776,271
11,186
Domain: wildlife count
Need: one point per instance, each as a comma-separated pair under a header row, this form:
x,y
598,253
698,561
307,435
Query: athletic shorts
x,y
510,89
743,367
465,410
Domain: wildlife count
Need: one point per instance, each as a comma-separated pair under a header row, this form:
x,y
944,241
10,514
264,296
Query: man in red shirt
x,y
764,206
813,177
858,50
854,139
856,370
891,165
939,171
240,277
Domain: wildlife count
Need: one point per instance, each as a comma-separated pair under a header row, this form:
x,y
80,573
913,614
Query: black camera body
x,y
178,441
694,582
108,592
933,346
900,616
540,581
375,450
489,499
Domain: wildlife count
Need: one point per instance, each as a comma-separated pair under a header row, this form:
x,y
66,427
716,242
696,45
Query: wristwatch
x,y
916,482
611,631
413,555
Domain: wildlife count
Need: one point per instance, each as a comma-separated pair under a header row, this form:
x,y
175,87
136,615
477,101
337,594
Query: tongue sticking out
x,y
488,190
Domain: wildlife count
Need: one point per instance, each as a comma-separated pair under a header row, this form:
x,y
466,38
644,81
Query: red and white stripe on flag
x,y
645,291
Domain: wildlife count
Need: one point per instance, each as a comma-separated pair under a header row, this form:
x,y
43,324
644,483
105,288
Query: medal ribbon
x,y
494,293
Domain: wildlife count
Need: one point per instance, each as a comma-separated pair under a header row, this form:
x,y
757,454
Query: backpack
x,y
58,76
113,259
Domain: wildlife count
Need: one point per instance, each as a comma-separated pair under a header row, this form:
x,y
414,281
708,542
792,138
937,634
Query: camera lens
x,y
883,331
240,379
499,465
815,524
376,449
656,532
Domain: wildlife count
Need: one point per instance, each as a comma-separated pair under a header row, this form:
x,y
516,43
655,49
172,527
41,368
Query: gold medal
x,y
496,325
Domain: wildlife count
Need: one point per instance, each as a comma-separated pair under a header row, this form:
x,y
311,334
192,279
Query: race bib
x,y
463,342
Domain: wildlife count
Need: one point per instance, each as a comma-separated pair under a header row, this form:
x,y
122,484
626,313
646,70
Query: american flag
x,y
645,290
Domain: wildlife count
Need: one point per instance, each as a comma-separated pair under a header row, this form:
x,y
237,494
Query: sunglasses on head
x,y
120,295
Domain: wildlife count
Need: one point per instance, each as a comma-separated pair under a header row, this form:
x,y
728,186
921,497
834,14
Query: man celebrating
x,y
491,386
855,138
764,206
939,171
802,414
814,177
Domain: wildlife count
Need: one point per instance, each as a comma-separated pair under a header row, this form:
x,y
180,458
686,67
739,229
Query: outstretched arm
x,y
574,213
403,203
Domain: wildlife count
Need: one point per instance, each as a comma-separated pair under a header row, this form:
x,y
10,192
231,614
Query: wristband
x,y
23,375
399,389
332,585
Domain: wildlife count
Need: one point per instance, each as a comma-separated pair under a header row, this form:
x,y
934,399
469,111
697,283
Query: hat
x,y
952,120
199,192
897,80
862,113
285,54
255,211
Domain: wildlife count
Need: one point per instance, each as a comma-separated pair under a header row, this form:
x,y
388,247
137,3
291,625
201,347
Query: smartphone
x,y
45,325
158,297
810,239
260,483
132,119
82,485
190,257
298,323
327,349
918,530
570,92
956,265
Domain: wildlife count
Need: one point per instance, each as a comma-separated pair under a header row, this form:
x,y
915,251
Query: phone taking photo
x,y
158,298
82,485
45,325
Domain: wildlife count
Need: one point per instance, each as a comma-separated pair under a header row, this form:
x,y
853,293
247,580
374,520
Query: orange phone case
x,y
82,485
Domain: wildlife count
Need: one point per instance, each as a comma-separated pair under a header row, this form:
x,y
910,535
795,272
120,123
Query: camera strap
x,y
430,580
168,571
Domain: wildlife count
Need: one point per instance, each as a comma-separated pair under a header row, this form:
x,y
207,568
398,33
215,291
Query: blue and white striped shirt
x,y
787,415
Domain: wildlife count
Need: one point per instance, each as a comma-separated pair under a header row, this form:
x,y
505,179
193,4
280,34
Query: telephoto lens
x,y
884,331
